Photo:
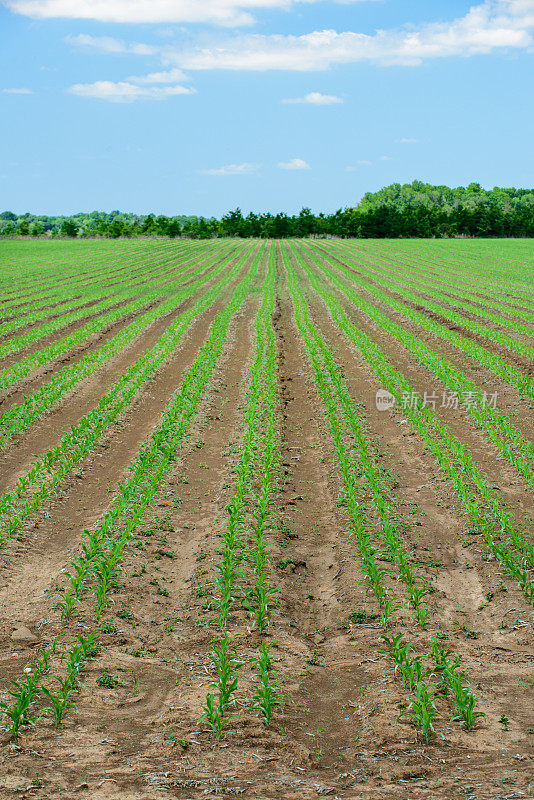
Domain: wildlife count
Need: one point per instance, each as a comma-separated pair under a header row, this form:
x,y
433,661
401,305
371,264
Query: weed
x,y
107,680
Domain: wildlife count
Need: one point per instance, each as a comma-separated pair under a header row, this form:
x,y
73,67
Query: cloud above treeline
x,y
230,13
233,169
17,90
126,92
294,163
487,27
315,99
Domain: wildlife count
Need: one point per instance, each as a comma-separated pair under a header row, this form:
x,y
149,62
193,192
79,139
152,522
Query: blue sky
x,y
199,106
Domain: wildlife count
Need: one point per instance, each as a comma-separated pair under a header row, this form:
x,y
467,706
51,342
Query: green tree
x,y
68,228
36,229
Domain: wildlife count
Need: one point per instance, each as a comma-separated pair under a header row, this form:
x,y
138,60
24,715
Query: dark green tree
x,y
68,228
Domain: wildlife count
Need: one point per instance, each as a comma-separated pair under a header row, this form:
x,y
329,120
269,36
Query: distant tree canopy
x,y
410,210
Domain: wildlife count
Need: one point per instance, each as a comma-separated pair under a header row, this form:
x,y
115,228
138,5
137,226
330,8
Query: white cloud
x,y
487,27
125,92
109,45
386,158
408,140
316,99
218,12
294,163
22,90
166,33
233,169
169,76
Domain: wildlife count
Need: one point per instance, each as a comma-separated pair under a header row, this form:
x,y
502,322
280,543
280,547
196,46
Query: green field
x,y
266,512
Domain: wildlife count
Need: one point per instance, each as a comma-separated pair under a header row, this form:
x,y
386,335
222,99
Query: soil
x,y
338,732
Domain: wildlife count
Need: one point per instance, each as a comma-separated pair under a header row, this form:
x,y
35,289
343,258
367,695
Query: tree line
x,y
409,210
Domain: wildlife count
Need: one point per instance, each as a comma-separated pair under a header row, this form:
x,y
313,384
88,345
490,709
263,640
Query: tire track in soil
x,y
315,548
52,537
154,706
195,517
345,704
379,757
320,587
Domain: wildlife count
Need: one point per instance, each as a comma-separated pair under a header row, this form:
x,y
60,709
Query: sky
x,y
201,106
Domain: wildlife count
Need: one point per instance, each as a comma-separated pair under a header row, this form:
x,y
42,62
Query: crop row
x,y
20,369
17,343
463,269
250,508
100,558
101,276
40,283
424,278
75,265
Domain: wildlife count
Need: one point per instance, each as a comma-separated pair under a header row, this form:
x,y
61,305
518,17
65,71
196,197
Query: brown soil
x,y
338,731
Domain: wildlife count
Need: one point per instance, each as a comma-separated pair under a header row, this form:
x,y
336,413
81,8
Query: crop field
x,y
266,519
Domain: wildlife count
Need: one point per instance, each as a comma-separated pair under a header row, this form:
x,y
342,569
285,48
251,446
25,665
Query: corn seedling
x,y
268,694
